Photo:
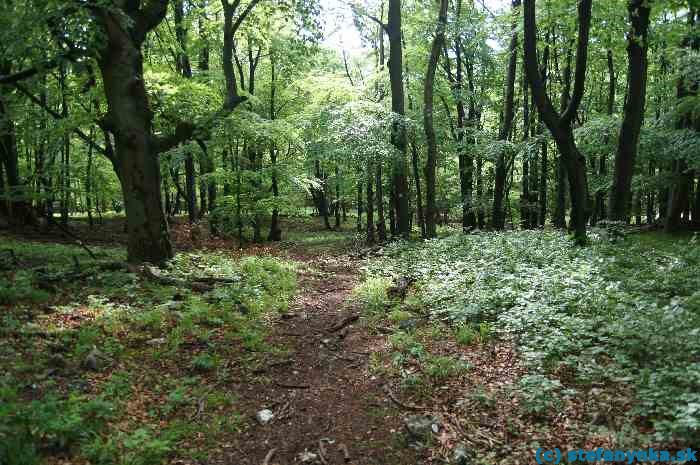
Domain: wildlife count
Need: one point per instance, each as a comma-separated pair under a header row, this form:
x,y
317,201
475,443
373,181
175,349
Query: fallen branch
x,y
199,284
346,322
269,456
396,400
152,273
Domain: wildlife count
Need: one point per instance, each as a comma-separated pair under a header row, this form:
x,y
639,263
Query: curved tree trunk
x,y
561,125
135,161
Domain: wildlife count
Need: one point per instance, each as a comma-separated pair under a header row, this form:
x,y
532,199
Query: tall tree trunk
x,y
18,209
129,118
600,208
497,214
637,45
428,93
687,86
561,125
525,197
398,134
275,229
65,150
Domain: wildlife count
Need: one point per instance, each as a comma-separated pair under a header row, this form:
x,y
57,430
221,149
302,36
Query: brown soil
x,y
325,391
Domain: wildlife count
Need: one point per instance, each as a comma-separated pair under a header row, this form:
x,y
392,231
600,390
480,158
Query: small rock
x,y
264,416
420,427
94,360
156,342
462,455
408,325
325,342
307,457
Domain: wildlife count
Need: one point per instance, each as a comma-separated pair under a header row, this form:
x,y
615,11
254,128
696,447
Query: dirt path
x,y
325,392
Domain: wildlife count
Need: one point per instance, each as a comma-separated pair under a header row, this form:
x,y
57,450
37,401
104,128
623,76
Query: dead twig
x,y
269,456
345,322
396,400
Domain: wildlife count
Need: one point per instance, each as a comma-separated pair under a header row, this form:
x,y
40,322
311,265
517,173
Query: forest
x,y
349,231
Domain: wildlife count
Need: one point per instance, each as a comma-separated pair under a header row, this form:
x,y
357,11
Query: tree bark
x,y
637,45
135,162
561,125
398,134
428,94
497,214
687,86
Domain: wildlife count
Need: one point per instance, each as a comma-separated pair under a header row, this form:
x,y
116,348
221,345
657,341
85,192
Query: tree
x,y
498,215
428,92
637,45
560,125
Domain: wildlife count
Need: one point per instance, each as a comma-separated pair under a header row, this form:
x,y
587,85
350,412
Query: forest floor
x,y
343,347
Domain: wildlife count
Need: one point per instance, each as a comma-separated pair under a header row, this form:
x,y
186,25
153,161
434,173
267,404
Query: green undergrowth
x,y
623,311
121,370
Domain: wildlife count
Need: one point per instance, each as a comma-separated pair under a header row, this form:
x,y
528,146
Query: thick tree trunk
x,y
18,209
637,45
428,93
135,160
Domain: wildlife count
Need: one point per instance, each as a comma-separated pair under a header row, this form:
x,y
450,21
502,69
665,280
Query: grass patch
x,y
80,359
